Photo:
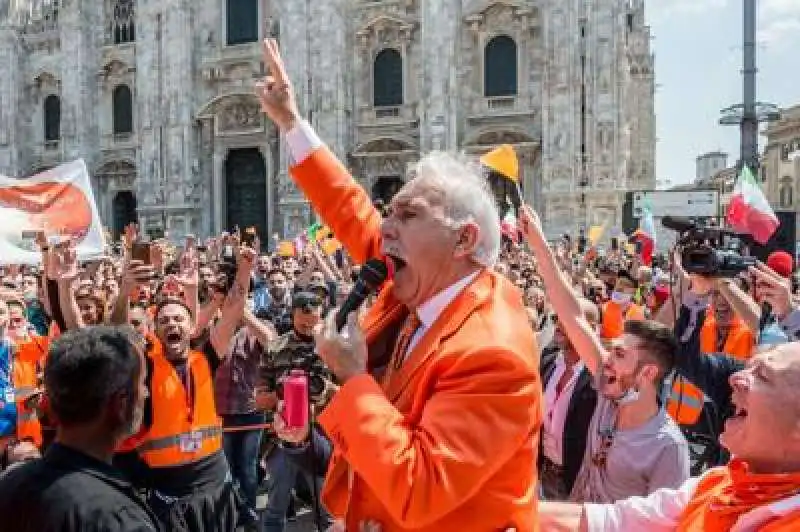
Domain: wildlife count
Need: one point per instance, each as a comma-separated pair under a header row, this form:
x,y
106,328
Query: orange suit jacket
x,y
450,443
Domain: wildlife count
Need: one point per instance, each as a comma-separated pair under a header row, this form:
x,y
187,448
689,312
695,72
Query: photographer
x,y
294,350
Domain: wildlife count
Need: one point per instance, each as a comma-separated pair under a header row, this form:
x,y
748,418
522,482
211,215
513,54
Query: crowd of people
x,y
494,382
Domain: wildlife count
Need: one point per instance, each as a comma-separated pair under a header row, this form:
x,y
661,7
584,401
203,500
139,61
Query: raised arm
x,y
232,309
338,199
563,298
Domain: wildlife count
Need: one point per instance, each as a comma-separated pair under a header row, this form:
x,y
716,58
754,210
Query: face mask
x,y
621,298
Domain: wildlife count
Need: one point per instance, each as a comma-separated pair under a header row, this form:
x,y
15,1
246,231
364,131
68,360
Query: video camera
x,y
707,250
274,369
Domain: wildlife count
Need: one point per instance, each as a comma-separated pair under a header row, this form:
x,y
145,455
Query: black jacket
x,y
67,491
581,409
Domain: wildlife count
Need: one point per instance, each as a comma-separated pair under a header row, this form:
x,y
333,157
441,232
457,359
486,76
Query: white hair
x,y
466,198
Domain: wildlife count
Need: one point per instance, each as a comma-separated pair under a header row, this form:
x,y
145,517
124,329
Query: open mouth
x,y
740,413
173,338
399,263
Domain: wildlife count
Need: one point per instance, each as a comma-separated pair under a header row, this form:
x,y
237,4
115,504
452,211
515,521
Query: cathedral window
x,y
122,110
52,118
122,26
242,21
500,67
387,78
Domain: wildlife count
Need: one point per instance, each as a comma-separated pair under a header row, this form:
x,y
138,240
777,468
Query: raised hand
x,y
67,263
275,90
773,289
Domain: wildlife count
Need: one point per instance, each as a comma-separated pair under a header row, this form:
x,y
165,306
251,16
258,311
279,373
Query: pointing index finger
x,y
272,56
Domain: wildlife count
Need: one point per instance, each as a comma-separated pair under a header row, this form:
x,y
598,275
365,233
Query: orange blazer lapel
x,y
445,325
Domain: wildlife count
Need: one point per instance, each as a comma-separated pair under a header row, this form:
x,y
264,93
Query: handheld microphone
x,y
372,275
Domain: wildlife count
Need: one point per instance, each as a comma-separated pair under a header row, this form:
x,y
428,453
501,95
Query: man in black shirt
x,y
95,385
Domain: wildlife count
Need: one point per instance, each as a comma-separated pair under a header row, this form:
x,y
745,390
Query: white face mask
x,y
621,298
631,395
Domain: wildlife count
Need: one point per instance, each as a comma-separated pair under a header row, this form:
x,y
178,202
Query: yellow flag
x,y
503,160
285,249
323,233
330,246
596,233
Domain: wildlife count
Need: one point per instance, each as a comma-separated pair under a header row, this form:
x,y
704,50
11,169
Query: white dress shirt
x,y
429,311
555,409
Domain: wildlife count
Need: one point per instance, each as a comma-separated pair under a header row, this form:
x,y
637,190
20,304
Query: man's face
x,y
29,287
278,284
723,312
206,275
90,312
765,397
624,286
420,243
263,264
174,330
622,369
137,317
16,318
305,319
317,278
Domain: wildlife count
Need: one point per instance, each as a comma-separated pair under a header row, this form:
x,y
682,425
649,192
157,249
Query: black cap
x,y
306,300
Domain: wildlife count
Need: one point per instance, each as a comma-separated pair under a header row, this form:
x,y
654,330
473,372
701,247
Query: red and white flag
x,y
58,202
749,211
509,225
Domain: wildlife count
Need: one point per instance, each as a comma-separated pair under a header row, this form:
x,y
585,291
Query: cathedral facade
x,y
157,97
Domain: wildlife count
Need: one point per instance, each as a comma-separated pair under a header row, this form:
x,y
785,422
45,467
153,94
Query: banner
x,y
58,202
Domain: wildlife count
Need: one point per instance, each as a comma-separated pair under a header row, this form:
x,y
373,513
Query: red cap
x,y
661,294
781,263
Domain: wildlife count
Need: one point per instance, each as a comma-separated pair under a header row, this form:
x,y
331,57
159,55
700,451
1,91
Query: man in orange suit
x,y
435,427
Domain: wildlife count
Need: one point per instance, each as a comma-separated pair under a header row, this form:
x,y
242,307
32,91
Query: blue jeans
x,y
283,476
241,451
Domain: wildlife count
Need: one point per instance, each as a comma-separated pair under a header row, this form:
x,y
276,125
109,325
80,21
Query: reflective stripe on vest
x,y
205,433
24,392
685,403
29,415
185,426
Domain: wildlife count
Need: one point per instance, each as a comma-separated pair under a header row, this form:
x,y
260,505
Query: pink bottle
x,y
295,399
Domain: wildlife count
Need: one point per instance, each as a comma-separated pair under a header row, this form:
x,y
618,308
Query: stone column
x,y
11,87
440,32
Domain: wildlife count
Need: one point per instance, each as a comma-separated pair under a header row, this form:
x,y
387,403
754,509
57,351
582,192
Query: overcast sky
x,y
698,47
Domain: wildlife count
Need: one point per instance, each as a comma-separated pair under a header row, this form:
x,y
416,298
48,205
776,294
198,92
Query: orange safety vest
x,y
740,342
707,512
613,322
28,359
185,425
685,403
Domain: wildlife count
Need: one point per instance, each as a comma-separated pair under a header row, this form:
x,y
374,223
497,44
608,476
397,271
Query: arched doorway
x,y
246,190
385,188
123,208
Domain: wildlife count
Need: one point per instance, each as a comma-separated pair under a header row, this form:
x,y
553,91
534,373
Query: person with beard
x,y
181,459
758,490
633,446
570,402
95,382
307,313
278,309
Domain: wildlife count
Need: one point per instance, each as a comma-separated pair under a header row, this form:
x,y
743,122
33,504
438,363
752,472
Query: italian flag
x,y
646,234
749,211
509,226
